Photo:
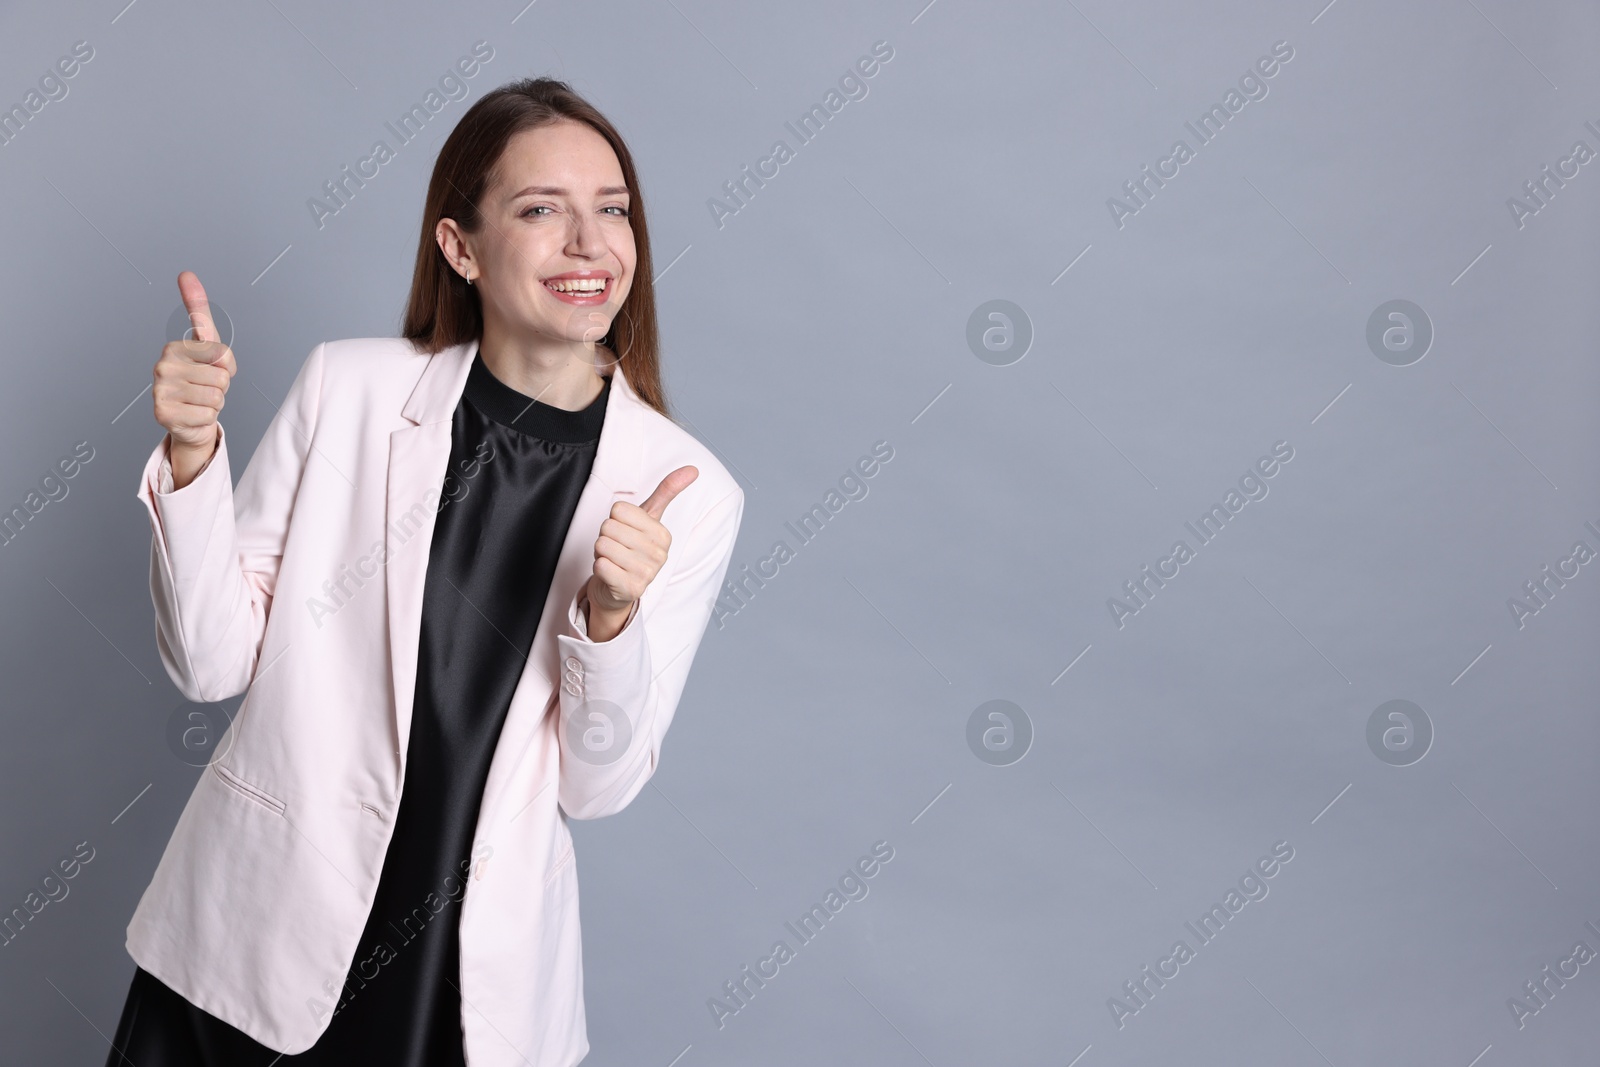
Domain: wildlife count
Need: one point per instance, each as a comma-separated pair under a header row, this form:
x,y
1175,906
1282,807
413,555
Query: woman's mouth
x,y
579,291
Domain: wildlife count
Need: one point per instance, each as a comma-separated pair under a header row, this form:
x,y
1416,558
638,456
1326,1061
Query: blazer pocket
x,y
246,790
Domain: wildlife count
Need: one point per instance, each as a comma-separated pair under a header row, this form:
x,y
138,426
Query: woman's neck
x,y
562,380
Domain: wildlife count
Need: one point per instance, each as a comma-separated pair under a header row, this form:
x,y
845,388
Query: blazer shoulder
x,y
367,370
372,354
671,446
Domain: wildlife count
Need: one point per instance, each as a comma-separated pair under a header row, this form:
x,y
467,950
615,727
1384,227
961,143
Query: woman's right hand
x,y
191,383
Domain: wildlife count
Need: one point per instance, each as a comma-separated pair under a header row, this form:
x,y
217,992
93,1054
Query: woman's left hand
x,y
629,553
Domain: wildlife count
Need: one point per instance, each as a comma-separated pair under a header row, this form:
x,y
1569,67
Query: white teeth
x,y
578,285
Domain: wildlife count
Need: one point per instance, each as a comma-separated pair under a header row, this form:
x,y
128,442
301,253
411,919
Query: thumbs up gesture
x,y
191,381
629,553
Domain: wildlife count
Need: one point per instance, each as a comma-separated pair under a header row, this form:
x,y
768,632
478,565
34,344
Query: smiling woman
x,y
453,714
509,246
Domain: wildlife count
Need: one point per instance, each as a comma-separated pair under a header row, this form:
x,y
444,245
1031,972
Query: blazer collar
x,y
618,460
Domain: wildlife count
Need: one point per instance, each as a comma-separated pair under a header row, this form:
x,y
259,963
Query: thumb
x,y
199,308
670,486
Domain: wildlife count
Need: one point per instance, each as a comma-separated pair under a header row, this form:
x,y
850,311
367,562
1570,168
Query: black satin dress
x,y
516,469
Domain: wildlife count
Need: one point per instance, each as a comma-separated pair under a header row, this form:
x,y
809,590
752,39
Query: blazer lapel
x,y
418,457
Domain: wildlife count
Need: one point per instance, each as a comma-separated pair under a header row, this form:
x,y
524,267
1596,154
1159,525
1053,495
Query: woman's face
x,y
557,216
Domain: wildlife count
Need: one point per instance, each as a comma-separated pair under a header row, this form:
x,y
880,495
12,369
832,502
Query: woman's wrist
x,y
603,624
187,460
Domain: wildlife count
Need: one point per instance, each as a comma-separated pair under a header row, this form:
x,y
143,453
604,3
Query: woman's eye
x,y
622,212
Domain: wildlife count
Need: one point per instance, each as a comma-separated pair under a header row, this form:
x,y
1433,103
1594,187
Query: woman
x,y
477,560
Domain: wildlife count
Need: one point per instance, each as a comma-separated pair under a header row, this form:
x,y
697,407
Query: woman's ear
x,y
447,236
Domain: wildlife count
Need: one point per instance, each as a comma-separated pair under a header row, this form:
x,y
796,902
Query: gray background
x,y
832,312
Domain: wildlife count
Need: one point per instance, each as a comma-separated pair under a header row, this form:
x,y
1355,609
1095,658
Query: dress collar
x,y
515,409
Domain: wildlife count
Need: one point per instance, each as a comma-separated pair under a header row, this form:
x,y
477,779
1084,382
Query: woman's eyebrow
x,y
555,190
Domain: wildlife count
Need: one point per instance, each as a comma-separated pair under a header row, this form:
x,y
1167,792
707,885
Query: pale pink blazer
x,y
255,909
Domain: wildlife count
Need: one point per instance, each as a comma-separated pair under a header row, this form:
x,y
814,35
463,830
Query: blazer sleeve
x,y
617,697
215,549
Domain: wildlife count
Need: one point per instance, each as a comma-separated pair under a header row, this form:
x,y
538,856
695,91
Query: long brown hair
x,y
443,310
